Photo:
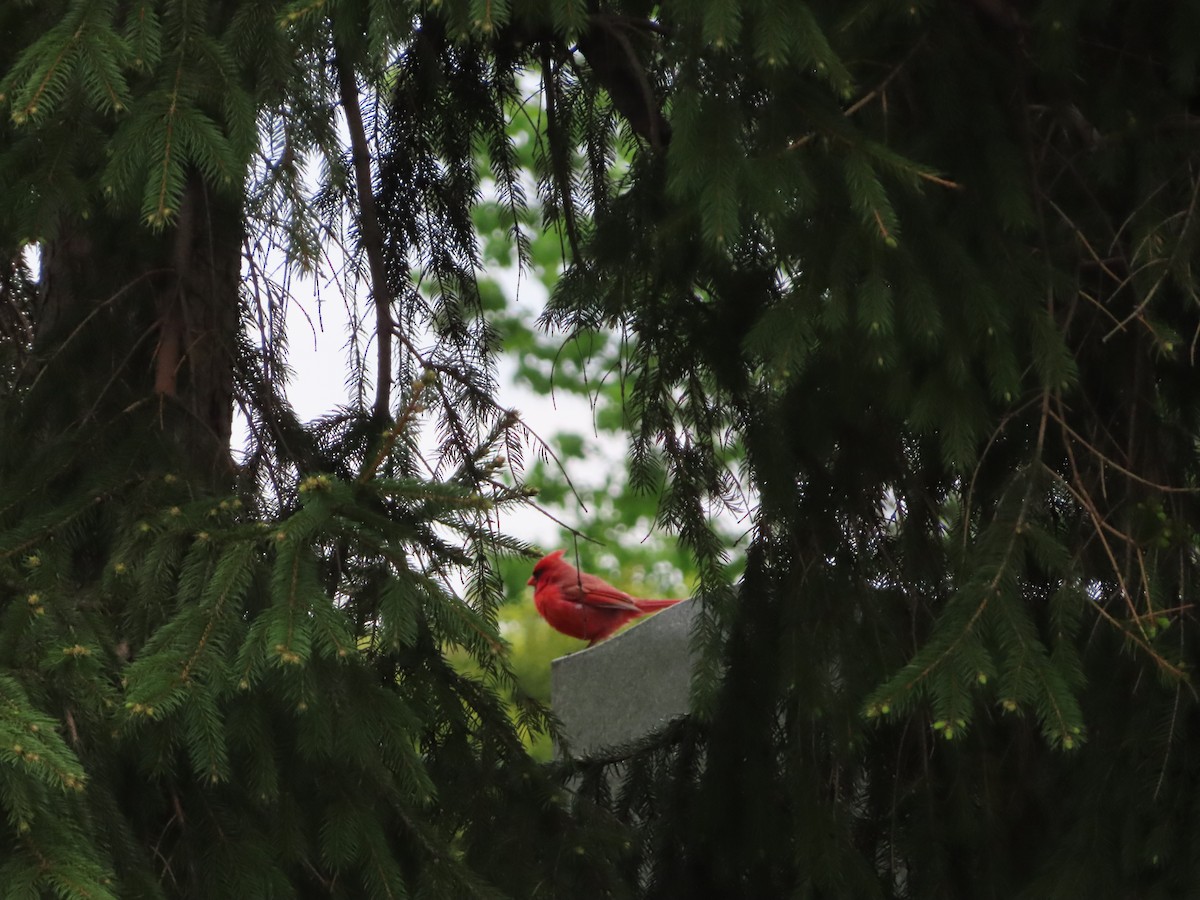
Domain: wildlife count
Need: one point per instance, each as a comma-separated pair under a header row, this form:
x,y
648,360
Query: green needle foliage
x,y
915,280
927,263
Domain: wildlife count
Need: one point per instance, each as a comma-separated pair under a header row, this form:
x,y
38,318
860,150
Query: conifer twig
x,y
993,585
1161,280
868,97
1101,525
1109,461
455,605
995,435
411,409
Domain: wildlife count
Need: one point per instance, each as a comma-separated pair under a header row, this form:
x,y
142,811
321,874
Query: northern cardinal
x,y
582,605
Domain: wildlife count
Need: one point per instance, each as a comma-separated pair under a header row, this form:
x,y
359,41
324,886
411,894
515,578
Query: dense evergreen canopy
x,y
916,278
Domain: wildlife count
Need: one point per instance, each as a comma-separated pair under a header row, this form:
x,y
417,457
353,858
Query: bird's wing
x,y
593,591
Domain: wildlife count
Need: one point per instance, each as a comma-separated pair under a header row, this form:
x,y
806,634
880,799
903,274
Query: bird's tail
x,y
655,605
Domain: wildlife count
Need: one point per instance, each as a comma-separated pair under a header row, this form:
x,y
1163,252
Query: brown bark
x,y
139,330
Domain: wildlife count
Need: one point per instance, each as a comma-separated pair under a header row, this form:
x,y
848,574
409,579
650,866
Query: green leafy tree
x,y
928,269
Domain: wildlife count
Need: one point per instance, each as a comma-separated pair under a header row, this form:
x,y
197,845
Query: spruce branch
x,y
1118,325
1101,263
559,140
1010,416
1101,527
83,46
1032,659
879,91
370,232
620,71
1059,415
1137,312
160,212
938,651
411,409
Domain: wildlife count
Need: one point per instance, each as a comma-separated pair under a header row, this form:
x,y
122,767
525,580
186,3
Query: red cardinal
x,y
582,605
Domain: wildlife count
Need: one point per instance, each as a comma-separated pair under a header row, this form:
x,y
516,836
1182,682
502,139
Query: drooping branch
x,y
370,233
608,47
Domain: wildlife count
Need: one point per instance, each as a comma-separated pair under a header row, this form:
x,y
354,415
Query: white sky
x,y
317,355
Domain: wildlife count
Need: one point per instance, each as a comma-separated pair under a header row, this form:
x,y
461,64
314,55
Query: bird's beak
x,y
531,580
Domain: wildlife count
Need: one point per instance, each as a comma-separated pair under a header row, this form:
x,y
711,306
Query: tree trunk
x,y
139,330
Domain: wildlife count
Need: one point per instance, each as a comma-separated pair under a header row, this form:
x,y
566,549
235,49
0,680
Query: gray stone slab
x,y
626,686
